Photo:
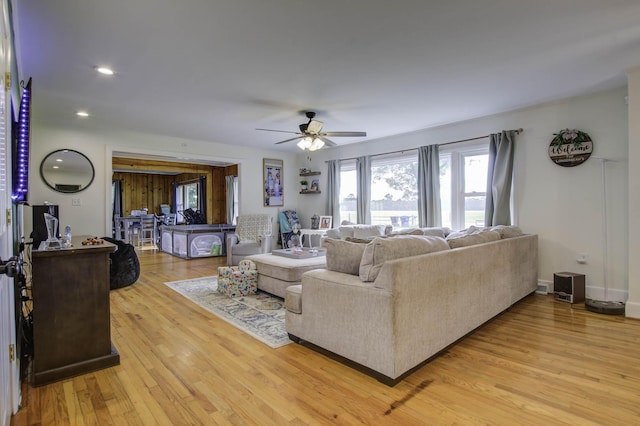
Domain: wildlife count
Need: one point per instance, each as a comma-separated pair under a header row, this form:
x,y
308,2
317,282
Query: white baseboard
x,y
632,310
613,295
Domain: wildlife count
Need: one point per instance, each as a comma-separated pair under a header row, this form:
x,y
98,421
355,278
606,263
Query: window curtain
x,y
229,197
333,190
202,196
429,186
499,177
363,171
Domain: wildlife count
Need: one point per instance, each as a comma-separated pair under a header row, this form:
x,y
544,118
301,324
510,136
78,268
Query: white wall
x,y
633,304
92,217
562,205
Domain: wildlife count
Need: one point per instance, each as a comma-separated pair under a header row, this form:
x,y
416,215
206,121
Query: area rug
x,y
259,315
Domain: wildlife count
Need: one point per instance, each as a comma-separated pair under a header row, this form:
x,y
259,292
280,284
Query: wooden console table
x,y
71,311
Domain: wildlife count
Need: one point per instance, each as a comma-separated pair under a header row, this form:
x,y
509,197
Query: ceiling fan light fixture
x,y
316,144
305,143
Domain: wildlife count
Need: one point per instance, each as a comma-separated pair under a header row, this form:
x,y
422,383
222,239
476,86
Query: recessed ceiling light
x,y
104,70
82,113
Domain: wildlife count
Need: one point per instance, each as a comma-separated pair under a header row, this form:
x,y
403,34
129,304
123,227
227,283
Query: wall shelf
x,y
310,174
310,192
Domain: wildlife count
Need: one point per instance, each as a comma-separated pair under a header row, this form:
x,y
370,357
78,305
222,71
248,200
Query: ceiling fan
x,y
311,135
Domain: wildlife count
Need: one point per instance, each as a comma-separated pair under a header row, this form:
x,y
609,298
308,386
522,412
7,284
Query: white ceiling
x,y
217,70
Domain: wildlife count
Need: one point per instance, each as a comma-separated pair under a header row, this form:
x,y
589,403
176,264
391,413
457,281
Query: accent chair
x,y
252,236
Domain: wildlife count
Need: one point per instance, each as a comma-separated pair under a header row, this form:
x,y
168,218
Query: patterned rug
x,y
259,315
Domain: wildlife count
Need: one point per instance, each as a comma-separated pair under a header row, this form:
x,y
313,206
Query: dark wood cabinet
x,y
71,312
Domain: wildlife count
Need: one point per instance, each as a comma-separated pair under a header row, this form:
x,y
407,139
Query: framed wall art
x,y
273,174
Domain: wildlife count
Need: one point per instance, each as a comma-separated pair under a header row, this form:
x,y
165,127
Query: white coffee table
x,y
311,232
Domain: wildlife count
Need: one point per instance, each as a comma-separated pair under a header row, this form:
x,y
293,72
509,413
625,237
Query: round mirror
x,y
67,171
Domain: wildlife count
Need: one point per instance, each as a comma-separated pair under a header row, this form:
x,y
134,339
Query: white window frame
x,y
345,166
181,190
457,153
389,159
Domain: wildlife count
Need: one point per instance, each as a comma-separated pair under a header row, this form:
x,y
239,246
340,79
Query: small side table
x,y
310,232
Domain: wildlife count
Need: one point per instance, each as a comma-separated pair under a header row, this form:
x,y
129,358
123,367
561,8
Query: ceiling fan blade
x,y
352,134
279,131
289,140
326,141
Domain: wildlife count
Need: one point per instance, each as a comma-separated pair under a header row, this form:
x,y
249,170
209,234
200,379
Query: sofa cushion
x,y
477,237
285,268
508,231
441,231
333,233
410,231
293,299
365,231
380,250
343,256
468,231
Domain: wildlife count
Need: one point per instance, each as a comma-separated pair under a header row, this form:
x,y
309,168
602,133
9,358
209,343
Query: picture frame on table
x,y
273,187
325,222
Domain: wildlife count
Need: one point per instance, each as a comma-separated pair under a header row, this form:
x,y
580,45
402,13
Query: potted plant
x,y
303,185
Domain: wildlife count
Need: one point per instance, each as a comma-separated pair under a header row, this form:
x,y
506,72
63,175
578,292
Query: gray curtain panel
x,y
429,186
363,172
499,177
229,197
333,190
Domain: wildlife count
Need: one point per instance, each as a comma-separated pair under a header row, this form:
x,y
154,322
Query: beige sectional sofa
x,y
416,305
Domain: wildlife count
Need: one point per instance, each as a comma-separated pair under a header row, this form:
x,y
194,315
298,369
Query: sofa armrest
x,y
346,316
232,239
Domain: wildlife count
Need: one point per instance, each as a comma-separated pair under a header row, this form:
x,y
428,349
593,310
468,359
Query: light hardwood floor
x,y
541,362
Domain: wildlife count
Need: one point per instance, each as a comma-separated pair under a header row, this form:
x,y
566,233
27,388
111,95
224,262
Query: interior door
x,y
9,364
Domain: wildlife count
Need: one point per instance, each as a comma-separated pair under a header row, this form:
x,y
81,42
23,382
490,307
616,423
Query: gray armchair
x,y
252,236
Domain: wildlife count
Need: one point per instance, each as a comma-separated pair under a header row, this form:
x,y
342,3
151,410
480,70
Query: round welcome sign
x,y
570,148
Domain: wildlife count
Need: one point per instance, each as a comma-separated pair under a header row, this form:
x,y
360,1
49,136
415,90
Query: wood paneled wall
x,y
145,187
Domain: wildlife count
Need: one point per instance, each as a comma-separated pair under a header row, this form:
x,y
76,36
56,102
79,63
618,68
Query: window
x,y
236,200
186,198
348,192
394,190
463,183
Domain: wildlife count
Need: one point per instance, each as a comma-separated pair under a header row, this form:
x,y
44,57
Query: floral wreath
x,y
567,136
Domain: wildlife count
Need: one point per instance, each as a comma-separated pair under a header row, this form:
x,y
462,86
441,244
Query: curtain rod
x,y
518,131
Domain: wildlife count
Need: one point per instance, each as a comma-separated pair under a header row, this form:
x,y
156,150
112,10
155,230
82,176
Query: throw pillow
x,y
436,231
380,250
507,231
343,256
477,237
366,231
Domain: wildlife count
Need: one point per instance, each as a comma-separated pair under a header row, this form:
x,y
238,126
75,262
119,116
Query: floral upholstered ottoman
x,y
238,280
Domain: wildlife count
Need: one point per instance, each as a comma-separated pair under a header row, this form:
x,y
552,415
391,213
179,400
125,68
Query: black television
x,y
20,152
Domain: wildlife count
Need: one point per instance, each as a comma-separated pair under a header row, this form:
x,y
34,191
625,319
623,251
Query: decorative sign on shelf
x,y
570,147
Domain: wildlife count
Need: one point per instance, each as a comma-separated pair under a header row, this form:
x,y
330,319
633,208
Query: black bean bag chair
x,y
124,267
